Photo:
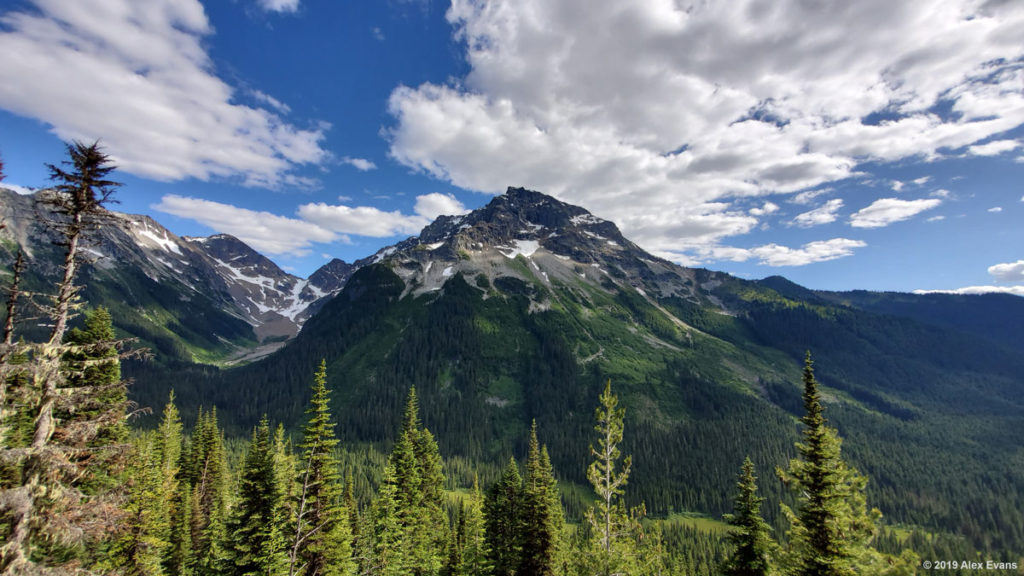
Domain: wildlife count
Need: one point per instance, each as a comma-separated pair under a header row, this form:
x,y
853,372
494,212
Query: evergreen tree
x,y
258,543
504,522
387,556
50,501
411,526
473,551
541,513
832,527
209,481
145,542
751,535
322,541
612,529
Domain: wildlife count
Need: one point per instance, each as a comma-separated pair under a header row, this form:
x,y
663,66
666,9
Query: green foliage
x,y
832,527
146,539
751,535
322,544
257,538
504,522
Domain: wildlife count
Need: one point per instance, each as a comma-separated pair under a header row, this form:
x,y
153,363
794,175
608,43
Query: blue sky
x,y
844,145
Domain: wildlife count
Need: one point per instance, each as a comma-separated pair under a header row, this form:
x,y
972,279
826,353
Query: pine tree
x,y
322,541
612,529
832,526
257,541
541,513
504,522
751,536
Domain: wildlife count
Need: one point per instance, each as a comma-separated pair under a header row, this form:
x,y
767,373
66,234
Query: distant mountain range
x,y
210,299
521,310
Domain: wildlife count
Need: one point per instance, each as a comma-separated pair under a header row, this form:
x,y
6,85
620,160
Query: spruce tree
x,y
832,526
209,481
257,540
540,512
321,544
751,535
504,522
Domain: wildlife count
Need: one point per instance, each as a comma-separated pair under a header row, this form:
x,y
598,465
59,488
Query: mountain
x,y
203,299
521,311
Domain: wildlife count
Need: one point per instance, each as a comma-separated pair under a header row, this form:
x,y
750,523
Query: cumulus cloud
x,y
264,231
137,75
279,5
661,116
361,164
886,211
767,208
824,214
377,223
1015,290
1008,272
994,148
995,209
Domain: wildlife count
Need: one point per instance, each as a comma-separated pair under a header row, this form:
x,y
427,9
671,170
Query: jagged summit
x,y
534,238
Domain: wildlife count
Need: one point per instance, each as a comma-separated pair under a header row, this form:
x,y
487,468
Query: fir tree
x,y
612,529
322,541
504,522
751,535
209,481
541,513
832,526
258,544
472,540
145,542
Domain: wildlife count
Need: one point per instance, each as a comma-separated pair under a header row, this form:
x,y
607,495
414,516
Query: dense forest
x,y
83,492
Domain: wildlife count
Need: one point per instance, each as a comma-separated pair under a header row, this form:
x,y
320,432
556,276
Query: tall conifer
x,y
832,526
258,543
322,542
504,521
751,535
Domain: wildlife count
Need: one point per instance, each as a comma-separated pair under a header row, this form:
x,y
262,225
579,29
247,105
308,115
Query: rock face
x,y
557,241
132,263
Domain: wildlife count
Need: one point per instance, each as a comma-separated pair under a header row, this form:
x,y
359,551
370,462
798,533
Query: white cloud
x,y
266,232
767,208
936,219
1008,272
994,148
922,180
775,255
280,5
886,211
897,185
645,111
377,33
995,209
772,254
137,75
823,214
436,204
361,164
1015,290
377,223
941,193
809,196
